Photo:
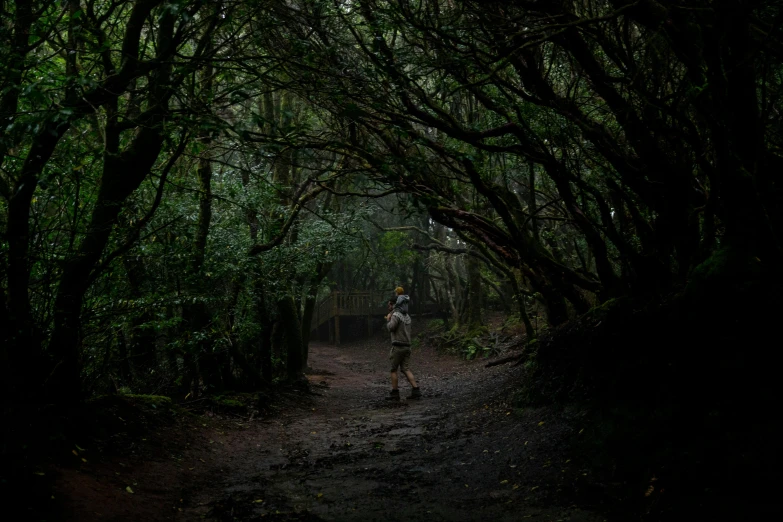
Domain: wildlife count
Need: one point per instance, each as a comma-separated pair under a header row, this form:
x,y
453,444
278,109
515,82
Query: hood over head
x,y
402,303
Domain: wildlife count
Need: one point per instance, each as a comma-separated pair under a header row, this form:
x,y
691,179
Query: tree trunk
x,y
253,377
451,290
474,292
307,319
266,342
140,341
292,335
21,339
121,176
309,307
197,314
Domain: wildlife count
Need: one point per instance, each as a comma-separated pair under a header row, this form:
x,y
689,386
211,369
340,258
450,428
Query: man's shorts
x,y
400,356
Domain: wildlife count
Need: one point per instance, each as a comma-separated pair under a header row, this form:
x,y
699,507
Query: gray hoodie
x,y
400,327
402,304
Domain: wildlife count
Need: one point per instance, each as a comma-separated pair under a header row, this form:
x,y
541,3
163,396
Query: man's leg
x,y
411,379
394,395
405,367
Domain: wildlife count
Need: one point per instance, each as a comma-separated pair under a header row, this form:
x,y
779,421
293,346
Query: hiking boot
x,y
415,393
394,395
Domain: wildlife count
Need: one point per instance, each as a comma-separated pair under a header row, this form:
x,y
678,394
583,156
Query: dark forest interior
x,y
206,206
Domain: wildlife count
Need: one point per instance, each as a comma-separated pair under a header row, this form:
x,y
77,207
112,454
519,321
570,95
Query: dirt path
x,y
460,453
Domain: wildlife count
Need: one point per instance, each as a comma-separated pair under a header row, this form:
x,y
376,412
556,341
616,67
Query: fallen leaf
x,y
504,481
84,460
74,452
78,448
128,489
258,501
541,423
319,495
40,473
534,488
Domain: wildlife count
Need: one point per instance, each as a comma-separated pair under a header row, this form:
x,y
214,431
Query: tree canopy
x,y
182,180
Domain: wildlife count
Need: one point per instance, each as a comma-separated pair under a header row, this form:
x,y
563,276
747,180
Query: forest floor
x,y
342,452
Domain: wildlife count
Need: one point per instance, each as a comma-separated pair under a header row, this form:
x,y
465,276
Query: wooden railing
x,y
348,304
355,304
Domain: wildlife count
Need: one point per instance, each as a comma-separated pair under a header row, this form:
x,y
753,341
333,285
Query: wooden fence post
x,y
336,312
368,307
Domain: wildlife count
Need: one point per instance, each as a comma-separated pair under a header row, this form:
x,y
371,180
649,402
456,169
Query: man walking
x,y
399,325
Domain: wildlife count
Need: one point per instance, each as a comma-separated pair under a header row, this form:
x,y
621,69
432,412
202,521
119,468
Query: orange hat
x,y
399,290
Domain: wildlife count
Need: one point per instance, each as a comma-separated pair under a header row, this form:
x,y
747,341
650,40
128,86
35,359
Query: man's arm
x,y
394,323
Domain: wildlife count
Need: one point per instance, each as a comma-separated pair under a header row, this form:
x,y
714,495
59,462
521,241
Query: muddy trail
x,y
342,452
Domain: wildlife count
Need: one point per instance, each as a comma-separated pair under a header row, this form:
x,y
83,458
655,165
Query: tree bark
x,y
292,336
122,174
474,293
140,343
309,307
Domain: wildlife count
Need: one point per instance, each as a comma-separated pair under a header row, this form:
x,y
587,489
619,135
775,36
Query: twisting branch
x,y
264,247
358,194
134,236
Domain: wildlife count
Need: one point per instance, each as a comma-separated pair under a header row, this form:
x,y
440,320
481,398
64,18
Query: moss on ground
x,y
157,401
231,403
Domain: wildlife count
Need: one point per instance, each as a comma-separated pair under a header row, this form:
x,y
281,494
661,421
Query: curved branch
x,y
264,247
134,236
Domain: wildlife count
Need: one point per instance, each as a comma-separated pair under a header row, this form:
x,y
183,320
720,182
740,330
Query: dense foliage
x,y
182,179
